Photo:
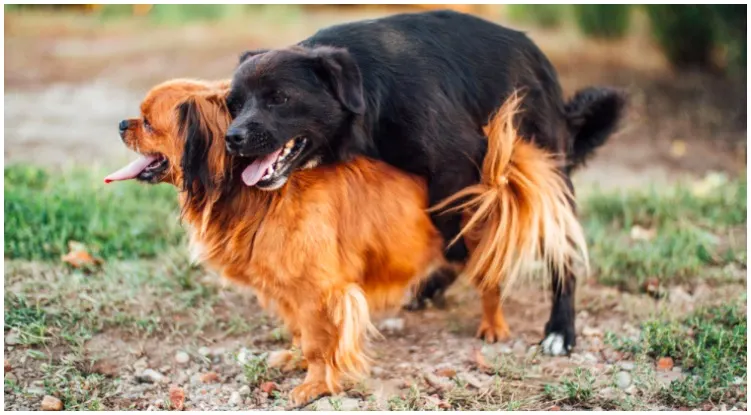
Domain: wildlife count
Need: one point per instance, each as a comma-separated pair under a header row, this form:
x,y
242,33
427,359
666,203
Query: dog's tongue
x,y
132,170
253,173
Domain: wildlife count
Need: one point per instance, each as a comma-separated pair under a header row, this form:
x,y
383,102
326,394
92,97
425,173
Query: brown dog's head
x,y
180,136
287,106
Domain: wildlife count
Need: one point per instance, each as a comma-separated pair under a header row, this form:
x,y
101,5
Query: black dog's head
x,y
287,105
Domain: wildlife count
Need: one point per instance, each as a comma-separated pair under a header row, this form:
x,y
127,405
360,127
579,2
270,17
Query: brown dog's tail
x,y
520,214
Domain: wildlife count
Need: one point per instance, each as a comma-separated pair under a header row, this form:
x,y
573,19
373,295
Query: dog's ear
x,y
202,121
339,69
249,54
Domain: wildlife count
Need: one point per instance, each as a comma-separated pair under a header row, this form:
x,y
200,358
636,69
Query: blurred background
x,y
73,71
103,309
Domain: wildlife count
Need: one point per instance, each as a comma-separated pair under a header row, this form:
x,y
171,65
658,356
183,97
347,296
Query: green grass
x,y
44,211
692,232
710,344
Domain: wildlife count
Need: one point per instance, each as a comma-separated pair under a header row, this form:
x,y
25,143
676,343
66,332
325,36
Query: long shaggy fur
x,y
335,244
520,214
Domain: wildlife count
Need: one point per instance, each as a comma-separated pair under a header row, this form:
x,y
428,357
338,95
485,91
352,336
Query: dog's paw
x,y
286,361
307,392
555,344
493,332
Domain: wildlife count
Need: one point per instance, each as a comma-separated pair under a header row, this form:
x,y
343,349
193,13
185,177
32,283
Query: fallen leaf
x,y
480,360
7,367
177,397
446,372
268,387
50,403
79,257
209,377
105,367
665,363
554,408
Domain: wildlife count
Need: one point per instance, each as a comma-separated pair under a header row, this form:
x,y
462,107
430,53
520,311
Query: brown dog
x,y
336,242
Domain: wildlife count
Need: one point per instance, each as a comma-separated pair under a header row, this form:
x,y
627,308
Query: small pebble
x,y
204,351
11,339
376,371
349,404
235,399
269,387
35,390
209,377
150,376
627,366
50,403
244,390
182,358
392,325
623,380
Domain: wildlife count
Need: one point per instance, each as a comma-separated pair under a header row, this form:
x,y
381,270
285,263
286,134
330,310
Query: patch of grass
x,y
44,211
710,345
78,390
687,231
543,15
575,389
257,370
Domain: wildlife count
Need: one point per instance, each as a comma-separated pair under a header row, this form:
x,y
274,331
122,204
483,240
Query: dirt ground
x,y
66,89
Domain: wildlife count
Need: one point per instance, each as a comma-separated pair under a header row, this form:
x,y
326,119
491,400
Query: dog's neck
x,y
222,219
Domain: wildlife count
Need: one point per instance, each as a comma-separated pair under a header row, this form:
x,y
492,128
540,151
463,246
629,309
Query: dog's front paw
x,y
493,331
287,360
308,391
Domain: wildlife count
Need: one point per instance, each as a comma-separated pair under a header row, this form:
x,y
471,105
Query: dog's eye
x,y
147,125
278,98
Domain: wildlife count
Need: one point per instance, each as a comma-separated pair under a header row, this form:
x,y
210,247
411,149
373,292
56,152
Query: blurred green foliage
x,y
689,34
609,21
543,15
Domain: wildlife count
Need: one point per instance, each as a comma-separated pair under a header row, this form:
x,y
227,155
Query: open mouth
x,y
271,171
148,168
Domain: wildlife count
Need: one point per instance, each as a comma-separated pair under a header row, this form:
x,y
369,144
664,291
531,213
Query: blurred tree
x,y
732,27
544,15
609,21
686,33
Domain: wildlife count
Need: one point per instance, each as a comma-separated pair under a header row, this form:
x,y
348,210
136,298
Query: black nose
x,y
124,124
235,136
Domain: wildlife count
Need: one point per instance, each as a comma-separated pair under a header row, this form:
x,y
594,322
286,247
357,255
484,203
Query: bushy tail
x,y
592,115
520,214
350,314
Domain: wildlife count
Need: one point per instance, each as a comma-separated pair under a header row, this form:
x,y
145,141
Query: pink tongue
x,y
253,173
132,170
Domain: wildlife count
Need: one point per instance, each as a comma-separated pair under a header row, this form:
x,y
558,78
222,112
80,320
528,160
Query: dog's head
x,y
180,136
287,104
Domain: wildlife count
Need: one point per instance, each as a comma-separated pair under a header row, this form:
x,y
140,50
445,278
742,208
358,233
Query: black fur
x,y
592,115
197,177
430,81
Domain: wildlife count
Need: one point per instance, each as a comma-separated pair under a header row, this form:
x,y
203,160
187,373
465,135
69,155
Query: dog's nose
x,y
124,124
235,136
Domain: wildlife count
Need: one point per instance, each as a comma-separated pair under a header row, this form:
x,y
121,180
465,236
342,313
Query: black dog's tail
x,y
592,115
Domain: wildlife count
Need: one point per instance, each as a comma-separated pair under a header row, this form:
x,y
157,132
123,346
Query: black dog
x,y
414,90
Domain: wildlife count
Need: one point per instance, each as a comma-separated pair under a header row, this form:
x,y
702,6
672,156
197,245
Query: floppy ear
x,y
202,120
249,54
341,72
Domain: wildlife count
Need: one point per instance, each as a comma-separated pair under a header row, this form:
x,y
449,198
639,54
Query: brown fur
x,y
333,245
518,217
340,242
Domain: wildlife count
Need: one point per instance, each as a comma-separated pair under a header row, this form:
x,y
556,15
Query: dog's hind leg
x,y
560,331
493,326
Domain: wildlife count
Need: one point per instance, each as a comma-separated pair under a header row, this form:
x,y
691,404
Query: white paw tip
x,y
553,345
